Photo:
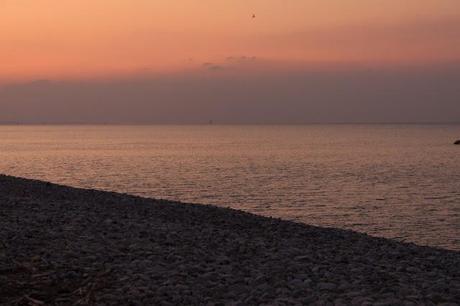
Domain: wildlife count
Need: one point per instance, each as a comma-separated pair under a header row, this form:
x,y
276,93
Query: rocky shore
x,y
62,245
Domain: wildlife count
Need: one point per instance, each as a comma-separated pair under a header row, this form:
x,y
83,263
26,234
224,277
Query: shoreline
x,y
62,245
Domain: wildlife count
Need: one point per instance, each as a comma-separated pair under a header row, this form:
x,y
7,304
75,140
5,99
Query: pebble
x,y
327,286
140,251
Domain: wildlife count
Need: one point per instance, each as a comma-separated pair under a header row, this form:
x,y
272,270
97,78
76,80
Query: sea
x,y
400,181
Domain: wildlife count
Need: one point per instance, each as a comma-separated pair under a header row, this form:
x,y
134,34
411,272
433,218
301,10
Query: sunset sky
x,y
114,40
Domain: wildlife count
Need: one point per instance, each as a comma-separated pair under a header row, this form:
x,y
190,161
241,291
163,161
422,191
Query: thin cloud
x,y
437,39
212,67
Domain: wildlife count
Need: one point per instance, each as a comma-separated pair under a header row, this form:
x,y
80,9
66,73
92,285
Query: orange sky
x,y
89,38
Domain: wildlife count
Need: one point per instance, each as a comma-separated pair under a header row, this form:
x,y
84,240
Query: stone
x,y
327,286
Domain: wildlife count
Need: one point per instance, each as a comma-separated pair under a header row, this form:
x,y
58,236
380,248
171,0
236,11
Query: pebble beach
x,y
67,246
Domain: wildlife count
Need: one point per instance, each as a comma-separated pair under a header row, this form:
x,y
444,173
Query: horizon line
x,y
230,123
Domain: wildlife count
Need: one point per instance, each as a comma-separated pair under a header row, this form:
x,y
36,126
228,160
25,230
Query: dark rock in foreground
x,y
60,245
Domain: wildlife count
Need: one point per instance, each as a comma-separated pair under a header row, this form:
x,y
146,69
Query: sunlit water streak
x,y
397,181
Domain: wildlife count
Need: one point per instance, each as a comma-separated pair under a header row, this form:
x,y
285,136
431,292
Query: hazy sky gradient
x,y
192,61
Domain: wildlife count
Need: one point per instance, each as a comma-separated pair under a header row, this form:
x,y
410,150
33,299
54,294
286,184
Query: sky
x,y
190,61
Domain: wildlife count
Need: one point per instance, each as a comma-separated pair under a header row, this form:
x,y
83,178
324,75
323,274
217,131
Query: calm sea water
x,y
397,181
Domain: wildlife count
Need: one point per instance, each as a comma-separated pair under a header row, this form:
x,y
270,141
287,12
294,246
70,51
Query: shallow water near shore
x,y
394,181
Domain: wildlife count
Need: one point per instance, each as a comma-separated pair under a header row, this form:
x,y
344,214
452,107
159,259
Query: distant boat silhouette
x,y
457,142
